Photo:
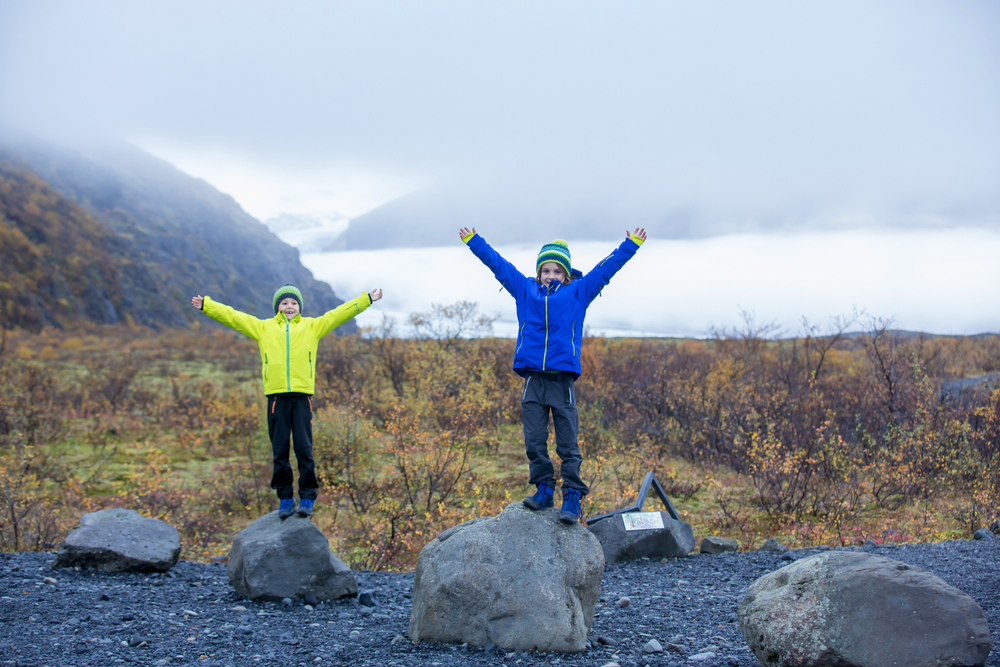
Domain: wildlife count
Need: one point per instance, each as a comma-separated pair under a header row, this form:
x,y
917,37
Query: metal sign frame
x,y
649,482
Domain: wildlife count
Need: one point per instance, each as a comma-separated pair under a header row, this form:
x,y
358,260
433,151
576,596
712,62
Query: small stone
x,y
623,602
610,664
50,580
310,599
104,596
774,546
675,648
238,608
161,662
189,613
128,617
244,629
607,641
287,602
355,635
981,534
490,647
701,657
317,659
367,598
677,639
365,611
652,646
308,607
718,545
397,639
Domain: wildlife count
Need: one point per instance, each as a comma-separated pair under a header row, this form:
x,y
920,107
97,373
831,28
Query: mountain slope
x,y
189,237
57,263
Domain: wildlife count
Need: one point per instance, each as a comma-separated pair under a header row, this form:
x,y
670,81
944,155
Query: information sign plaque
x,y
642,520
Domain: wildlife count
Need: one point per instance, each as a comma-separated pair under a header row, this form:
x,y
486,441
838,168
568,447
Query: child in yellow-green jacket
x,y
288,345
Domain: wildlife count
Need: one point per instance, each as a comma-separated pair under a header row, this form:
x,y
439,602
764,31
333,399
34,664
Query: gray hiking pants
x,y
545,392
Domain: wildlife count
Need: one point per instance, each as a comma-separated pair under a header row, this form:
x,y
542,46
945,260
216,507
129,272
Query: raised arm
x,y
600,275
508,275
248,325
332,319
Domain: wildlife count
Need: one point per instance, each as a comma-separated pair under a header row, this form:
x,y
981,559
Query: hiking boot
x,y
306,507
542,497
571,509
286,508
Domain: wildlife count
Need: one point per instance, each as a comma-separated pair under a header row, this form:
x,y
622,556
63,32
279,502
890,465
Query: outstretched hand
x,y
465,231
640,232
197,302
375,294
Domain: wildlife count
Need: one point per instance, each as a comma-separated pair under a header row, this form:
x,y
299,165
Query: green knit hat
x,y
285,291
557,252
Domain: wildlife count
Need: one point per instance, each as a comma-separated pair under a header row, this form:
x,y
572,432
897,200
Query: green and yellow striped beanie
x,y
285,291
557,252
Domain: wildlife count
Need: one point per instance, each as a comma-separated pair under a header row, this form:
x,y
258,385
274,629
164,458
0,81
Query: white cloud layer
x,y
942,281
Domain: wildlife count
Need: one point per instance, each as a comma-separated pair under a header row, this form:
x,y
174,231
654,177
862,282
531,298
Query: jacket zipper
x,y
265,366
520,334
288,359
572,339
545,350
310,364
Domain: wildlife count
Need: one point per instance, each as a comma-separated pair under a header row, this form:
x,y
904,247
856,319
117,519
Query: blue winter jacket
x,y
550,319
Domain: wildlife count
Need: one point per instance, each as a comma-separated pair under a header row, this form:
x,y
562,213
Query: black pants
x,y
289,418
545,392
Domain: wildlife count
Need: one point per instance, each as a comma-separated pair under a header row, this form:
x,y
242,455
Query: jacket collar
x,y
280,317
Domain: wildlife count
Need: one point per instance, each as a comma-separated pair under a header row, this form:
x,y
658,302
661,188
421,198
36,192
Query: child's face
x,y
551,271
289,306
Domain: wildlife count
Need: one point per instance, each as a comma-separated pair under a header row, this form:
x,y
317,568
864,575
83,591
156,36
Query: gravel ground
x,y
190,616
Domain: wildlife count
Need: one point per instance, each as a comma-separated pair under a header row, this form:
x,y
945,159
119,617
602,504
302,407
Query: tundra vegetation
x,y
826,437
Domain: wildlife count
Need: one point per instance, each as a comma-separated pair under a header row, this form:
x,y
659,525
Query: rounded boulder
x,y
848,609
521,580
273,559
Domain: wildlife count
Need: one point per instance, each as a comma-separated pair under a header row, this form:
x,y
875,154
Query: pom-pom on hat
x,y
286,291
557,251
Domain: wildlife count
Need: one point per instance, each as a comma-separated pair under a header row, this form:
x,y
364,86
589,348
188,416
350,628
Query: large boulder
x,y
120,540
847,609
521,580
627,537
273,559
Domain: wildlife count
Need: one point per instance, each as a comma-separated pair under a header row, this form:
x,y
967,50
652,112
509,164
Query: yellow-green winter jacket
x,y
287,347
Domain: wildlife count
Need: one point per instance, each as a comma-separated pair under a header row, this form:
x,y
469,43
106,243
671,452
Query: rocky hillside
x,y
110,233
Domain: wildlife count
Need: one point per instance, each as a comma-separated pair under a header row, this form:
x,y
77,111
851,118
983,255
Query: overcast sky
x,y
846,111
844,143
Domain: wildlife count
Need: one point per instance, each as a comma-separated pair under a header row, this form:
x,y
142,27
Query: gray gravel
x,y
687,605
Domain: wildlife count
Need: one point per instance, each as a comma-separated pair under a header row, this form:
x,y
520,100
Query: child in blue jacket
x,y
550,310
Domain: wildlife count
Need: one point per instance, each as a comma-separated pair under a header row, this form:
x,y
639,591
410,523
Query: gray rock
x,y
623,602
367,598
119,540
704,656
674,540
652,646
273,559
522,580
718,545
851,609
774,546
984,534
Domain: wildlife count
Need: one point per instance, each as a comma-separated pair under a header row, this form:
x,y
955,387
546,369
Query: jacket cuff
x,y
468,237
635,239
369,295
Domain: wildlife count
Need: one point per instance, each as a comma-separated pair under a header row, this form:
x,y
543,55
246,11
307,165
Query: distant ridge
x,y
159,236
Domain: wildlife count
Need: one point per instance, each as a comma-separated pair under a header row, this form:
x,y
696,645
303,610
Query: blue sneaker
x,y
542,497
286,508
571,509
306,507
